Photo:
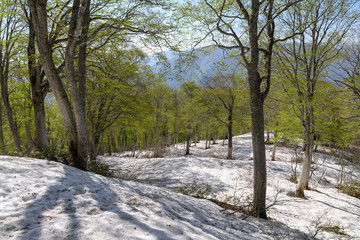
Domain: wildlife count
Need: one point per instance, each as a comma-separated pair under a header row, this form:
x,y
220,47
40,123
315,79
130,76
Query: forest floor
x,y
41,199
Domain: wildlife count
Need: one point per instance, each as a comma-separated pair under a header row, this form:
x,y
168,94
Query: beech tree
x,y
349,65
223,96
10,29
192,111
73,113
113,87
318,28
249,28
39,86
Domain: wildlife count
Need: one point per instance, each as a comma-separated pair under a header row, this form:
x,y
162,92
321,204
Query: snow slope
x,y
40,199
232,180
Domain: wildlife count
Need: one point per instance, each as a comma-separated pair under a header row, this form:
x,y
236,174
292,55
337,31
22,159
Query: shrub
x,y
351,188
293,178
37,154
16,154
335,229
195,190
98,168
159,152
297,159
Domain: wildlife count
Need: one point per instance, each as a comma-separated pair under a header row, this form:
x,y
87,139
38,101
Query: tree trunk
x,y
274,148
74,122
230,135
259,89
94,144
39,89
78,30
30,141
188,140
102,147
134,145
257,116
2,142
109,145
9,112
206,139
257,120
9,25
113,143
308,150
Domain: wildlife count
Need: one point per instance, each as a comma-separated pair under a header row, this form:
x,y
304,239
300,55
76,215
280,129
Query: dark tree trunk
x,y
230,134
113,143
39,89
206,139
259,88
31,143
109,145
2,142
119,142
102,147
188,141
94,143
134,144
9,112
257,123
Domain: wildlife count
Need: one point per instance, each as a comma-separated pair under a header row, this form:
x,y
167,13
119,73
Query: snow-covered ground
x,y
40,199
232,180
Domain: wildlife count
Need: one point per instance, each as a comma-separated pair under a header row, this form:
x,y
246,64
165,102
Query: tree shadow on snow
x,y
63,198
77,196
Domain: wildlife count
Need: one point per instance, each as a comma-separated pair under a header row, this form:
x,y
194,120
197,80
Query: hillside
x,y
231,181
42,199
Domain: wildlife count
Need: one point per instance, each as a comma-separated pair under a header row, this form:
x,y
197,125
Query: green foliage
x,y
199,190
37,154
335,229
351,188
99,168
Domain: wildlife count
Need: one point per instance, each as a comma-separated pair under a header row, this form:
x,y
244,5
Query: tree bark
x,y
78,29
5,98
39,89
257,114
257,120
308,151
109,145
74,122
8,26
274,147
187,151
2,142
230,134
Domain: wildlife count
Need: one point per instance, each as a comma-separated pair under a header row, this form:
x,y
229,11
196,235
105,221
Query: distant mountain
x,y
178,67
204,63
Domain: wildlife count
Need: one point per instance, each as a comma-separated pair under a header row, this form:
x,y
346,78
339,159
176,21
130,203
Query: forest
x,y
85,79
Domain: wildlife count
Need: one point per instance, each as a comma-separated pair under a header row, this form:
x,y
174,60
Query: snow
x,y
41,199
